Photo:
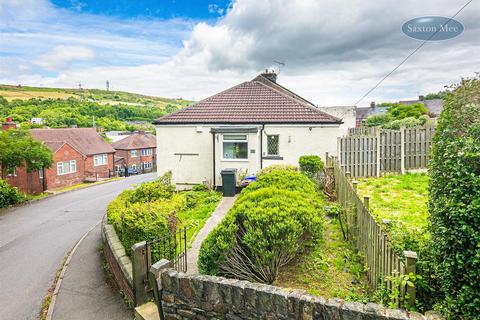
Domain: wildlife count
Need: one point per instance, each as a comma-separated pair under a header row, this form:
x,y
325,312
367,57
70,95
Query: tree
x,y
18,148
397,112
455,200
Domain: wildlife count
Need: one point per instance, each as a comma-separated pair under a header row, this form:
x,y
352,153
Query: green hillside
x,y
111,110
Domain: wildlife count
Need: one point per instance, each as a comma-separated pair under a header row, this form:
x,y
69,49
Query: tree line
x,y
58,113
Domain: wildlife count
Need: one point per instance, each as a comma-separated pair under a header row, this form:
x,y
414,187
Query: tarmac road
x,y
35,238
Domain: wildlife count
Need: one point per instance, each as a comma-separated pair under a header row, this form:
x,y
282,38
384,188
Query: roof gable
x,y
136,141
257,101
85,140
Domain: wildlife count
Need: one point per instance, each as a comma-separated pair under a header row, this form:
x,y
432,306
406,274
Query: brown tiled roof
x,y
136,141
54,145
256,101
86,140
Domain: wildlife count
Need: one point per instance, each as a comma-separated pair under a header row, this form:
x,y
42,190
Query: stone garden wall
x,y
206,297
117,259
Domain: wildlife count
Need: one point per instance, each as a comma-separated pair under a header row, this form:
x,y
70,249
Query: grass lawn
x,y
196,217
401,198
332,269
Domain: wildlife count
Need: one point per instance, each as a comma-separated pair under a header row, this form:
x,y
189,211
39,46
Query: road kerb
x,y
51,307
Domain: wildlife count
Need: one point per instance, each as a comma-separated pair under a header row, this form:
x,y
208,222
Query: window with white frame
x,y
147,152
146,165
100,159
273,144
13,173
133,153
66,167
134,167
235,146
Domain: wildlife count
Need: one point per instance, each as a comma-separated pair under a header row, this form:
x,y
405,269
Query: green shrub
x,y
199,187
455,200
274,167
283,179
161,188
272,221
9,195
154,210
378,120
310,165
405,122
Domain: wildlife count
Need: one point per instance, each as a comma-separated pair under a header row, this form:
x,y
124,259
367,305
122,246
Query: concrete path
x,y
192,255
84,292
35,238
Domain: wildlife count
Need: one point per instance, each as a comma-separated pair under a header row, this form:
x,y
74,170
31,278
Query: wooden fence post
x,y
355,185
348,175
402,150
139,267
410,267
366,201
378,138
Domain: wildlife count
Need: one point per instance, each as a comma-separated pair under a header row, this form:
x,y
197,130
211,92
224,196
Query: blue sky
x,y
164,9
334,51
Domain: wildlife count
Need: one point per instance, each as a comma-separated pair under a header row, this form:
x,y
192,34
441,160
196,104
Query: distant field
x,y
95,95
11,93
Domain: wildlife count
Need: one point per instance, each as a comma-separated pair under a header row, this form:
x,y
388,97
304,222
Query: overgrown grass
x,y
195,218
401,198
331,269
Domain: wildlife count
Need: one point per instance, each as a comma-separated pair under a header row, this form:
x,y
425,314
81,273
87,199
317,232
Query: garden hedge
x,y
455,201
154,209
272,221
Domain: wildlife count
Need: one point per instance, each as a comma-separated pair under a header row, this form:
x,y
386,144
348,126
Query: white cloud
x,y
60,57
334,51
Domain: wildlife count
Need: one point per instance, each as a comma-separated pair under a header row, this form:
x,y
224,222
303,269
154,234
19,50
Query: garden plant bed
x,y
331,269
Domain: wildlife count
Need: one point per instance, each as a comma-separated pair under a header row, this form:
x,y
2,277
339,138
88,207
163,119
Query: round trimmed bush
x,y
283,179
266,228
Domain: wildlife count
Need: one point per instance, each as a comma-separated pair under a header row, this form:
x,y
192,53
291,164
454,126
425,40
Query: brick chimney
x,y
8,124
270,75
421,98
372,105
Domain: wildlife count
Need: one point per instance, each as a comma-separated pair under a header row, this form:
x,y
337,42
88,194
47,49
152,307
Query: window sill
x,y
272,158
235,160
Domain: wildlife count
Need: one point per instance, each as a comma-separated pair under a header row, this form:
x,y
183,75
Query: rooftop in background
x,y
86,140
136,141
260,100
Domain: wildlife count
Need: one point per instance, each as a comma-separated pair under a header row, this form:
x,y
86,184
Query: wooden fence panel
x,y
362,230
367,152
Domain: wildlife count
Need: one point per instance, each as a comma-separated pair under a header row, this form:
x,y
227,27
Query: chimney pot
x,y
8,124
270,75
421,98
372,104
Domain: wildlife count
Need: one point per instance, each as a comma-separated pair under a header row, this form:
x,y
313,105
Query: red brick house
x,y
79,154
137,151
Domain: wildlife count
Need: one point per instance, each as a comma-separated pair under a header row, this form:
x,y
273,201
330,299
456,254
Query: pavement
x,y
192,255
85,292
35,238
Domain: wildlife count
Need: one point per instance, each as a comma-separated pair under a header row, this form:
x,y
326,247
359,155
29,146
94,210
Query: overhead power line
x,y
408,57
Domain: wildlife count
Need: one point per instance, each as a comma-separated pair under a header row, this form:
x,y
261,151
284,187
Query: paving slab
x,y
84,292
192,255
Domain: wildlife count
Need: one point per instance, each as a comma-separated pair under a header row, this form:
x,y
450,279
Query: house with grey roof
x,y
247,127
